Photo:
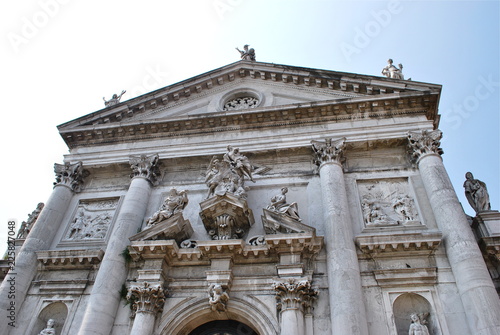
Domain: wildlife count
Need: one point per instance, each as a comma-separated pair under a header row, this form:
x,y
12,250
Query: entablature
x,y
306,244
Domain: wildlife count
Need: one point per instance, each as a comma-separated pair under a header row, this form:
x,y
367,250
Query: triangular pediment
x,y
240,88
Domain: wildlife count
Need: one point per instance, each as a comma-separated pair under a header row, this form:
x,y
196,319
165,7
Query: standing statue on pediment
x,y
476,193
417,326
173,204
49,329
247,54
114,100
279,205
391,71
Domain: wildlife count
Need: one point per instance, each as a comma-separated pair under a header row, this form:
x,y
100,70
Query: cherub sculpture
x,y
173,204
217,298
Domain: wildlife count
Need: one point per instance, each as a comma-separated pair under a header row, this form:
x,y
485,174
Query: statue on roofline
x,y
114,100
391,71
247,54
476,193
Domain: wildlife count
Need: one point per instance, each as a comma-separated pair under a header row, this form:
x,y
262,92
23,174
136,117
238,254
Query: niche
x,y
56,311
409,303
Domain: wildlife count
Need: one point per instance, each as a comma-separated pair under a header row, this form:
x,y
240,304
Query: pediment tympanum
x,y
244,93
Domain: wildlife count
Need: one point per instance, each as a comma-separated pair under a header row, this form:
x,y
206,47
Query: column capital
x,y
330,151
146,297
146,167
70,175
293,293
422,143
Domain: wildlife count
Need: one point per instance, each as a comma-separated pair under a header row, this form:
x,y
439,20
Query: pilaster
x,y
147,301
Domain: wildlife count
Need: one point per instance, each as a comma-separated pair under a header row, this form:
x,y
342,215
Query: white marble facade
x,y
167,217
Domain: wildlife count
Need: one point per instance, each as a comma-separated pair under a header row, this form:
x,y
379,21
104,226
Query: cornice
x,y
340,110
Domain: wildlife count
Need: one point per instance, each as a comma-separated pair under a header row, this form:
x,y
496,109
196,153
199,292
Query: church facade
x,y
257,199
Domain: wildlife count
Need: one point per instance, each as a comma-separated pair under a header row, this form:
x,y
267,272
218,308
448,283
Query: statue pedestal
x,y
174,228
279,223
226,217
488,223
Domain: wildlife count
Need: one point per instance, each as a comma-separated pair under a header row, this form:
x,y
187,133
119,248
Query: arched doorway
x,y
223,327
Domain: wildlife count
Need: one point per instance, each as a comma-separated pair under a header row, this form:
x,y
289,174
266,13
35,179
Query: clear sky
x,y
60,57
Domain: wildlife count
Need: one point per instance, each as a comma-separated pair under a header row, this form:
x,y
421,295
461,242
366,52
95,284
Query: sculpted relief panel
x,y
91,220
387,202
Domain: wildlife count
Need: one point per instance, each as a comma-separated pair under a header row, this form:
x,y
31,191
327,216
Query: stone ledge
x,y
416,242
65,259
406,277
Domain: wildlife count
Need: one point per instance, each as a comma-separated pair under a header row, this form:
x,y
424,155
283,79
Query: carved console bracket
x,y
226,217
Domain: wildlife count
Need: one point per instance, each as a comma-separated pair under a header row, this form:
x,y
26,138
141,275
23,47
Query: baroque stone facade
x,y
260,199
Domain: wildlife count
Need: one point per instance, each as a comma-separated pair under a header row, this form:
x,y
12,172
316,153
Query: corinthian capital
x,y
146,167
146,298
328,151
70,175
294,294
421,143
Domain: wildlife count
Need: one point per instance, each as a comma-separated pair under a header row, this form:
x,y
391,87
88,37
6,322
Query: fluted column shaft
x,y
347,310
104,299
39,238
480,299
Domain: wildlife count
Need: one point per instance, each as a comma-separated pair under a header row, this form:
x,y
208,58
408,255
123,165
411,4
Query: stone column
x,y
147,301
479,297
292,295
347,310
69,179
105,296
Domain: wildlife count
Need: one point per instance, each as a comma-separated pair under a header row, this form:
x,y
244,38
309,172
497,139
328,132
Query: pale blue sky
x,y
61,57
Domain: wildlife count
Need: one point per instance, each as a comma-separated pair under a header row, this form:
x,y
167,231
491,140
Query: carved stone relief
x,y
92,220
387,203
241,103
